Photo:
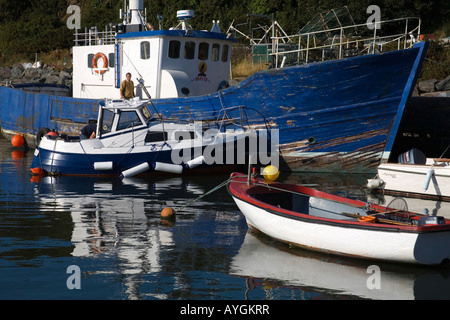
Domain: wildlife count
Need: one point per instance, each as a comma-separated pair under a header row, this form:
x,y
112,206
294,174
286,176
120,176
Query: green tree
x,y
31,26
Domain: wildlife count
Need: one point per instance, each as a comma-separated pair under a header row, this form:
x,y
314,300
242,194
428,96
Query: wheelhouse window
x,y
215,54
225,53
145,50
128,119
203,51
174,49
107,121
189,50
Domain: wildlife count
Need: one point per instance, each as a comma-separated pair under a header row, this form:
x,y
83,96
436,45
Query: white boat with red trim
x,y
327,223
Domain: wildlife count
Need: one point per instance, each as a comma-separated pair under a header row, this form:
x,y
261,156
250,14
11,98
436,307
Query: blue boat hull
x,y
332,115
71,164
82,164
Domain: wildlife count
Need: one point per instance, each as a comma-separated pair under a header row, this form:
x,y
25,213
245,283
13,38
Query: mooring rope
x,y
205,194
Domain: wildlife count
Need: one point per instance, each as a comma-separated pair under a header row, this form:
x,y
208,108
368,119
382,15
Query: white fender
x,y
195,162
167,167
135,170
430,173
108,165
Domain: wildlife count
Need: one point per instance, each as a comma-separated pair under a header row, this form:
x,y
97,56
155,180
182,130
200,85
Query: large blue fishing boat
x,y
335,96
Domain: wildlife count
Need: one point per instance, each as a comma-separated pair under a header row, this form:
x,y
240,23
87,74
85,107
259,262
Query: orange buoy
x,y
167,213
52,133
18,141
37,171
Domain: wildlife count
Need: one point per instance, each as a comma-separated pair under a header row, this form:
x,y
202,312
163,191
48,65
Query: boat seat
x,y
441,160
155,136
293,202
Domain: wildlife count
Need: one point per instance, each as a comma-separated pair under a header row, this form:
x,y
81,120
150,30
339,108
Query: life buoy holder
x,y
103,69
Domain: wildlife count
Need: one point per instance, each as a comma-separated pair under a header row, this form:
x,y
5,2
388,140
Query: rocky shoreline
x,y
23,73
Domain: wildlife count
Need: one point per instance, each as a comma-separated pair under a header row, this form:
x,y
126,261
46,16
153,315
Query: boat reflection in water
x,y
278,265
120,221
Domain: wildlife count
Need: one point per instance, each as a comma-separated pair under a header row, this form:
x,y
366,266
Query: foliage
x,y
437,62
39,26
30,27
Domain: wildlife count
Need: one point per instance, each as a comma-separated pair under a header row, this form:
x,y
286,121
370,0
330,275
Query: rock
x,y
443,85
46,72
37,73
32,73
427,86
68,83
64,77
52,78
5,73
17,72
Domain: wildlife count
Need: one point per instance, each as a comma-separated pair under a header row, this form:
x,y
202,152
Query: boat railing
x,y
92,37
238,117
344,41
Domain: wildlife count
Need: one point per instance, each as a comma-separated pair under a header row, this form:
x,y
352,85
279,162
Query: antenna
x,y
185,16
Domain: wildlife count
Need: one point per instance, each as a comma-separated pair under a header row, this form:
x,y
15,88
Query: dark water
x,y
111,232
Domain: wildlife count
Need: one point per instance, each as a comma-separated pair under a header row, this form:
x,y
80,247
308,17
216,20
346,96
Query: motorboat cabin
x,y
119,118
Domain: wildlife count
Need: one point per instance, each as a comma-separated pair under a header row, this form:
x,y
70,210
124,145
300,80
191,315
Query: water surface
x,y
111,230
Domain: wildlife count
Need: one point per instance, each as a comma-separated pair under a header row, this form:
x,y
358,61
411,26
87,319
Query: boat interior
x,y
396,212
305,204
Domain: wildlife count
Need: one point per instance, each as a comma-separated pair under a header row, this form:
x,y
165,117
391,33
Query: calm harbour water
x,y
111,230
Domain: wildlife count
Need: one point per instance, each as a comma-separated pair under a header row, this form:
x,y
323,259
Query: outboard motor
x,y
413,156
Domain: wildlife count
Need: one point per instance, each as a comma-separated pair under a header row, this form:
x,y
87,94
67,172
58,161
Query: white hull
x,y
412,179
368,243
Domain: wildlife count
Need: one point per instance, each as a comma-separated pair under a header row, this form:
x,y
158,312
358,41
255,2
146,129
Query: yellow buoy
x,y
271,173
167,213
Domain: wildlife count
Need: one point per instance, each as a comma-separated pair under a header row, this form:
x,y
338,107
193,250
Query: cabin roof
x,y
176,33
124,104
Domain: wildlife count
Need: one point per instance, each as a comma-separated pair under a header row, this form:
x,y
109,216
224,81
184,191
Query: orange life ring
x,y
105,63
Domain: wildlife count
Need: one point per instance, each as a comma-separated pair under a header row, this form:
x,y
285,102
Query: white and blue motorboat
x,y
130,139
